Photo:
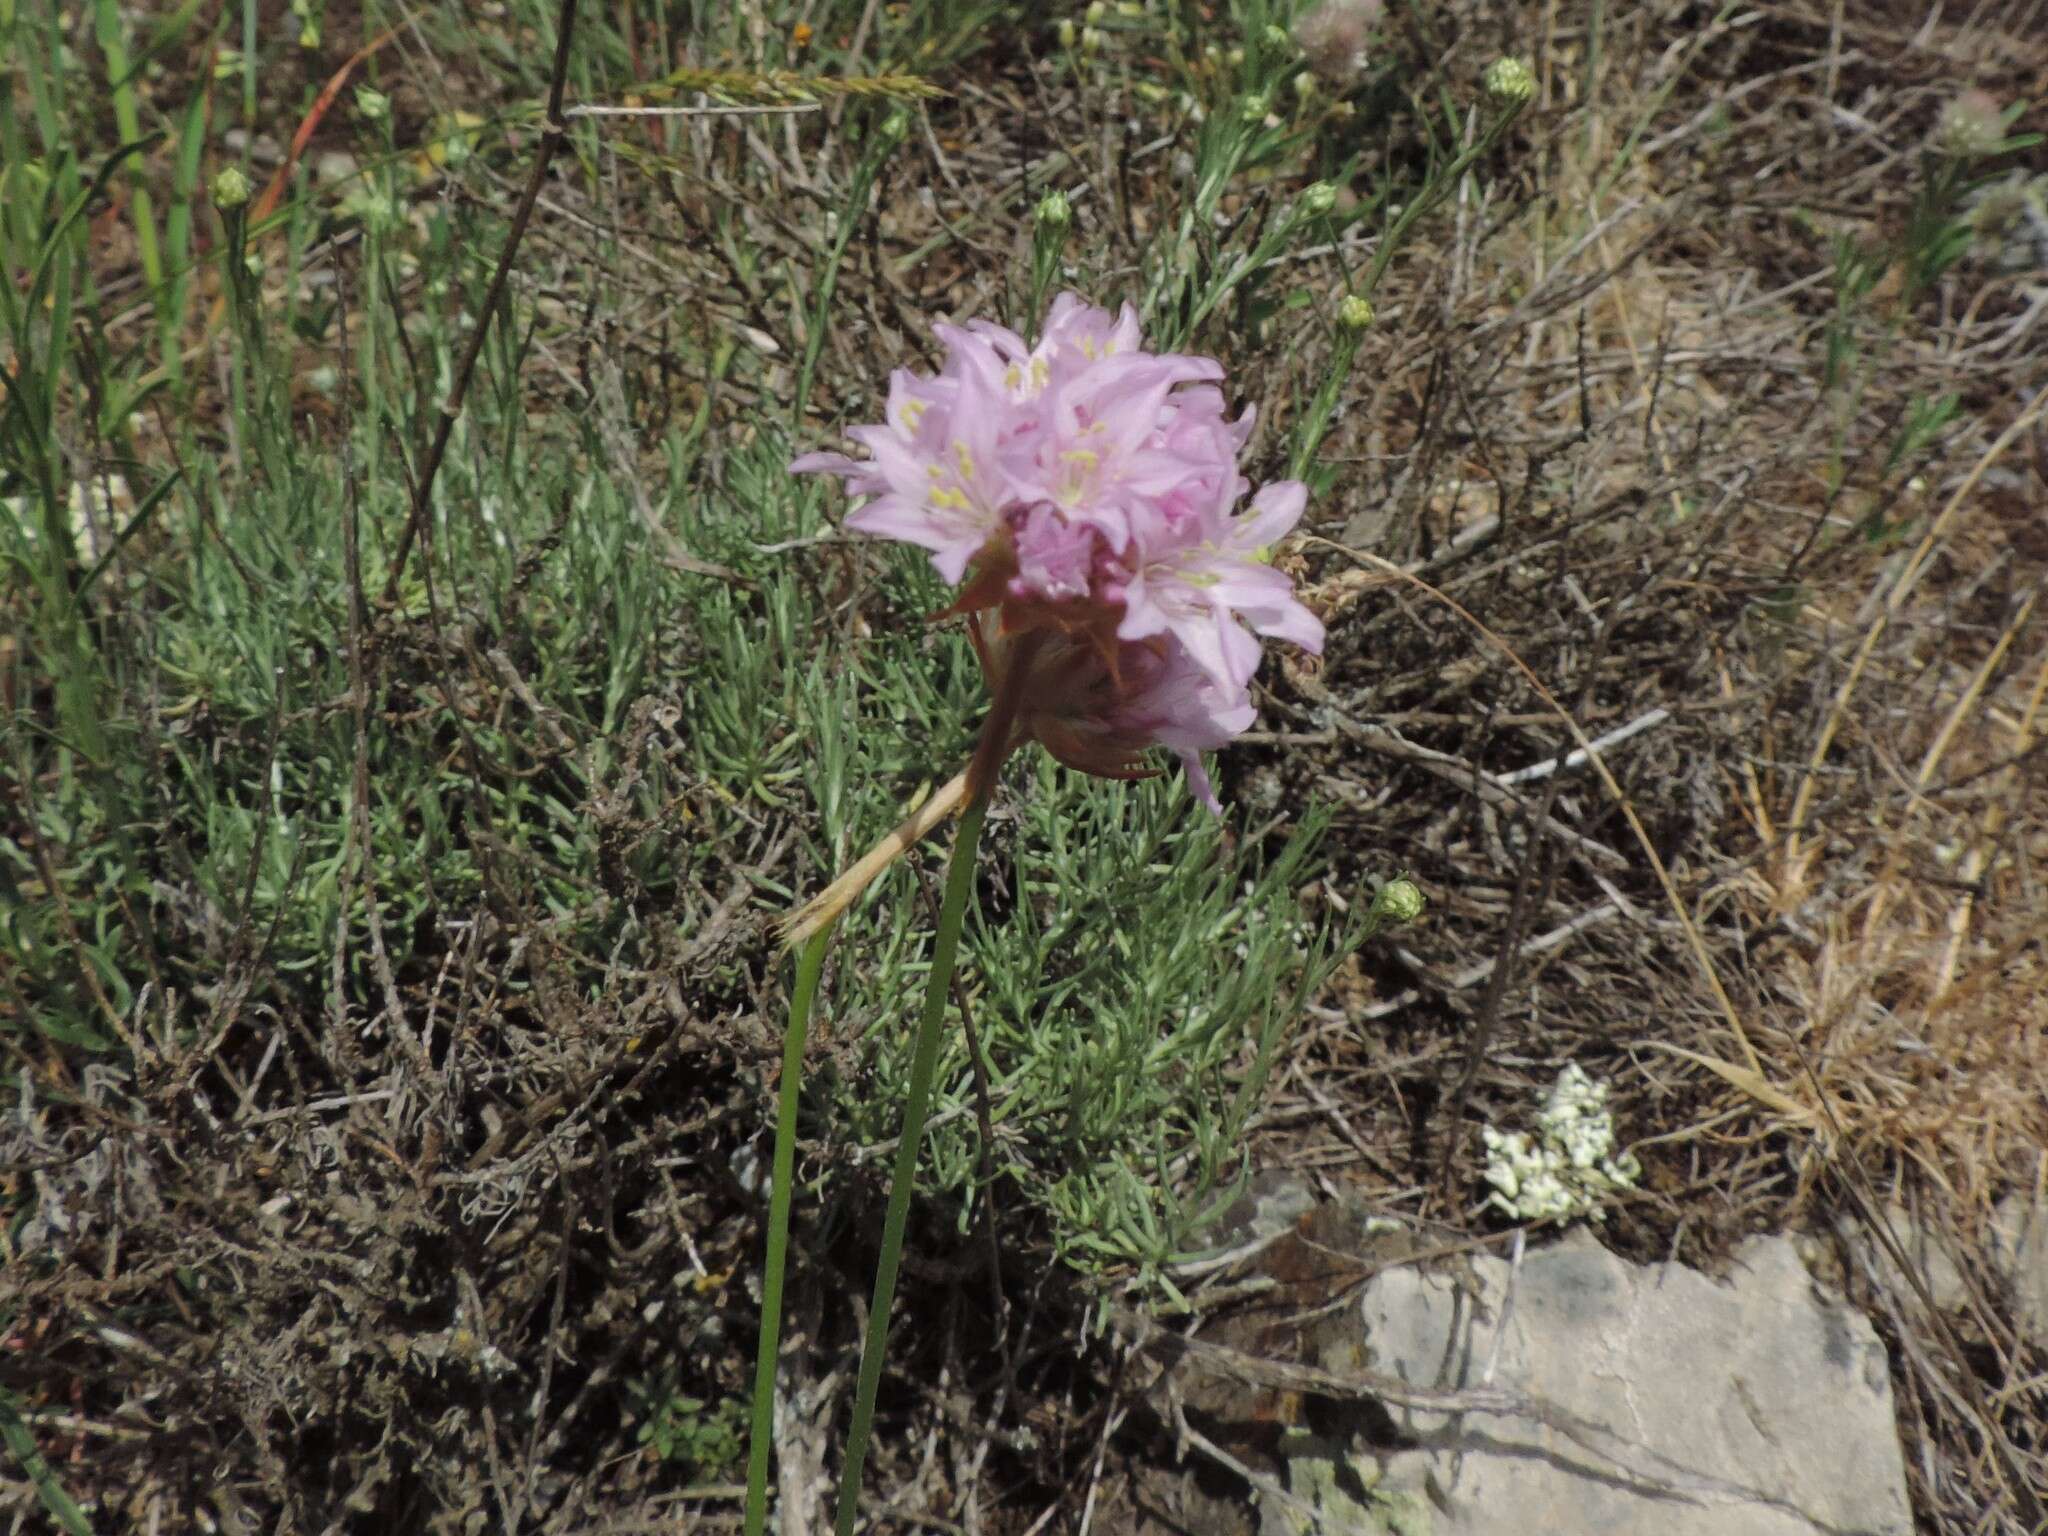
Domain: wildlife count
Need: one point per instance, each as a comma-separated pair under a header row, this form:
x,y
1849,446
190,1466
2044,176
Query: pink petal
x,y
1274,512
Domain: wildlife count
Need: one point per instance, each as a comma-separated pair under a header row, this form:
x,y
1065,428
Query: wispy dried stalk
x,y
825,907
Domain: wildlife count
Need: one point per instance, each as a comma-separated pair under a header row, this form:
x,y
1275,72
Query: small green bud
x,y
1066,33
1510,83
1318,199
1398,901
1354,313
1305,85
1095,12
1276,37
1254,108
230,189
1054,211
895,128
374,105
1091,39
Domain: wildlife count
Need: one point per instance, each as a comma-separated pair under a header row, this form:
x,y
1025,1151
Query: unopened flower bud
x,y
1276,37
895,128
1510,83
1971,126
1095,12
1305,85
1066,33
374,106
1354,312
1092,39
1254,108
1054,212
1398,901
230,189
1318,198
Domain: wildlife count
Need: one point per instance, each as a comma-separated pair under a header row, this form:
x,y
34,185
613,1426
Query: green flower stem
x,y
995,745
923,1064
810,965
1435,191
1316,421
892,131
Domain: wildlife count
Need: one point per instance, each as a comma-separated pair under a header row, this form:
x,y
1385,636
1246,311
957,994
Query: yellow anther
x,y
966,459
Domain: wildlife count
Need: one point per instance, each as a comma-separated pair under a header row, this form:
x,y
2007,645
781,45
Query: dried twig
x,y
554,133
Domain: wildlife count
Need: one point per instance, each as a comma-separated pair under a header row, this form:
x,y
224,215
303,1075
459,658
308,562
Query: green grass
x,y
558,724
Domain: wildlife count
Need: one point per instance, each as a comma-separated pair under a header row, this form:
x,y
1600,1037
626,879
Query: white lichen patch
x,y
1569,1166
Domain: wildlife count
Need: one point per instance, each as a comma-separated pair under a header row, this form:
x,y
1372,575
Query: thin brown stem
x,y
554,134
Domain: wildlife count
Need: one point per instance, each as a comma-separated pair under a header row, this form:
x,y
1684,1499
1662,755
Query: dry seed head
x,y
1334,37
1971,126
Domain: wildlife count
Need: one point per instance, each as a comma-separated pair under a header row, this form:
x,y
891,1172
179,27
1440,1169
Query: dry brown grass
x,y
1848,792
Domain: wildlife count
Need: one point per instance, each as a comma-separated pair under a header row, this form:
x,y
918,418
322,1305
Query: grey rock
x,y
1769,1405
1925,1250
1271,1202
335,165
2019,1247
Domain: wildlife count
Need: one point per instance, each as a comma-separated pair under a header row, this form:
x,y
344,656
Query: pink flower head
x,y
1088,487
